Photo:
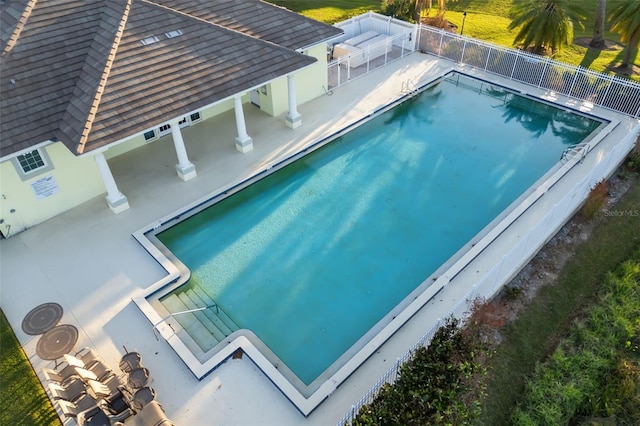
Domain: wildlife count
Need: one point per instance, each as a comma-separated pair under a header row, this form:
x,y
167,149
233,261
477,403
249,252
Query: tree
x,y
402,9
417,11
411,9
545,24
625,20
597,42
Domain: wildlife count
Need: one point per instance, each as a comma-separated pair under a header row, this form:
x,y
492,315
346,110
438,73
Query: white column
x,y
293,119
243,142
185,168
116,200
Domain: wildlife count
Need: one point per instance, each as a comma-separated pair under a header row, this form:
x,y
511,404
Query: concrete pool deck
x,y
87,260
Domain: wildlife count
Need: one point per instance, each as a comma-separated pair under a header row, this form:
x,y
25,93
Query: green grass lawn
x,y
330,11
23,401
22,398
489,20
486,20
537,331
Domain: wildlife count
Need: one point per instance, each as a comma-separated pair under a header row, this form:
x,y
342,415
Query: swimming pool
x,y
368,186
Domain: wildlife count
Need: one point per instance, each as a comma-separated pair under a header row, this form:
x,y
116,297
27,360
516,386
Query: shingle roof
x,y
258,19
76,70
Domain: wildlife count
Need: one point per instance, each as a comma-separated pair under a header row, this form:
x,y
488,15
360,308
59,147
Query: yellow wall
x,y
77,179
308,83
138,141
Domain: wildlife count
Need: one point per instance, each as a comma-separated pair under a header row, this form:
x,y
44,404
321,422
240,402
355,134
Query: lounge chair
x,y
152,414
138,378
72,391
101,417
130,361
72,409
142,397
97,367
88,356
66,374
114,383
116,407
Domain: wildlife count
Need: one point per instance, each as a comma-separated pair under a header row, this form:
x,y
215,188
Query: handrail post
x,y
172,314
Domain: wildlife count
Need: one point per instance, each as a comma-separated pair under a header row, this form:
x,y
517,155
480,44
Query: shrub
x,y
432,385
596,199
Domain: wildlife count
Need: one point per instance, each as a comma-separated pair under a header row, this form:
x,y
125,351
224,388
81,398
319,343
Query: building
x,y
84,81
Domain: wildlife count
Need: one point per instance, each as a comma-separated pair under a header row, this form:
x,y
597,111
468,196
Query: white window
x,y
195,117
150,135
32,163
164,129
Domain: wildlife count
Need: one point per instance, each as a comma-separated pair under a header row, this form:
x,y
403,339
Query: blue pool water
x,y
312,256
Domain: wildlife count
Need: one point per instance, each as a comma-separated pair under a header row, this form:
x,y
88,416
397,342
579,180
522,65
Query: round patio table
x,y
57,342
42,318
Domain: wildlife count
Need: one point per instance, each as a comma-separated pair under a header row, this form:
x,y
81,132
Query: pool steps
x,y
201,325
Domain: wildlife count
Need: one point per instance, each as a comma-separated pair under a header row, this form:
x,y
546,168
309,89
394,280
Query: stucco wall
x,y
138,141
309,84
75,180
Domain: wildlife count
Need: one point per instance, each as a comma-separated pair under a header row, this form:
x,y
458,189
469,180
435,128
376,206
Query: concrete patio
x,y
87,261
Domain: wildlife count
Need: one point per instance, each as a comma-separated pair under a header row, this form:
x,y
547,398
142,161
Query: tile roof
x,y
77,71
259,19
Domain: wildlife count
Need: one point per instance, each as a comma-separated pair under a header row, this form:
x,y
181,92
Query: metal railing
x,y
604,90
512,260
607,91
374,56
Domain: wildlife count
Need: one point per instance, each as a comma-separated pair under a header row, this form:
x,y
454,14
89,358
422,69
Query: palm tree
x,y
626,21
418,10
403,9
597,42
411,9
545,24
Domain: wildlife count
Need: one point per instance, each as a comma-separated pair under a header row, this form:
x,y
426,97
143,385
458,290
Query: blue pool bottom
x,y
312,256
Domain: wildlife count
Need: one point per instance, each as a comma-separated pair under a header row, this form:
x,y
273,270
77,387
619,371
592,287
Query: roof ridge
x,y
79,140
19,26
105,76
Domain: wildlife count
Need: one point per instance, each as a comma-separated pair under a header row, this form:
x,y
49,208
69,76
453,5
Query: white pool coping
x,y
268,363
87,261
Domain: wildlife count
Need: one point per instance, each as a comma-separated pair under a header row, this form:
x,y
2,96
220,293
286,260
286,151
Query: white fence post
x,y
546,63
515,62
573,83
464,47
486,64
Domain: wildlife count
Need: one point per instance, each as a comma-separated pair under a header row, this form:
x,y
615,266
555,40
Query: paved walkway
x,y
87,261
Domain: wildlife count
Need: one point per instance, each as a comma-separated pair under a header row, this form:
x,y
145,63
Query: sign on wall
x,y
45,187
